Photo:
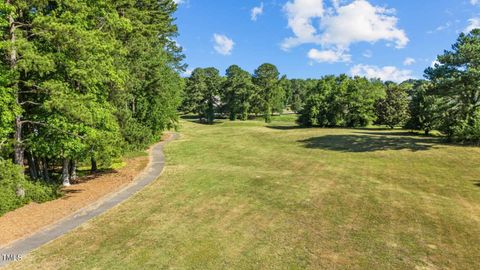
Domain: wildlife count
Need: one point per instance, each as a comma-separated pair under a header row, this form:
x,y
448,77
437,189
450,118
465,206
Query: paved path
x,y
150,174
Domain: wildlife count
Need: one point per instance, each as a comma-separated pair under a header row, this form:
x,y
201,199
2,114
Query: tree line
x,y
448,99
84,81
237,95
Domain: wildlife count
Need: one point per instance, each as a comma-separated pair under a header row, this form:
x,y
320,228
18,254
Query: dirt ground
x,y
33,217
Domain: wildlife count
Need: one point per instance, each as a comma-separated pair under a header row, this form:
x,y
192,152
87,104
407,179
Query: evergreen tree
x,y
238,92
271,93
392,110
81,81
456,79
424,108
202,93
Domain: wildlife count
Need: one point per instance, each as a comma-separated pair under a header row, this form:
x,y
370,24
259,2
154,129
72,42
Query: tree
x,y
83,81
238,92
147,102
424,108
393,109
271,93
456,79
202,91
341,102
359,101
298,91
195,88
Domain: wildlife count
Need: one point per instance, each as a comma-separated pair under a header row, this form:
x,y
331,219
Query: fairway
x,y
250,195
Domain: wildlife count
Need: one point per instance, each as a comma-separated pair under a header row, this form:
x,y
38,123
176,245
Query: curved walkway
x,y
20,248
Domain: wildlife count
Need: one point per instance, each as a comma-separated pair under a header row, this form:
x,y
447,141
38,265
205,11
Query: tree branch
x,y
30,102
19,24
52,127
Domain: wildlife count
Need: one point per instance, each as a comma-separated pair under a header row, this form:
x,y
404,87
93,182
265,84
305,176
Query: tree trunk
x,y
268,114
233,116
46,176
18,145
38,167
13,57
32,167
94,164
210,113
65,172
73,170
427,132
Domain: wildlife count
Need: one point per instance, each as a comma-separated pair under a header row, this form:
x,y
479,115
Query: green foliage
x,y
424,108
202,93
466,131
392,110
238,93
271,93
13,179
83,80
297,91
456,80
341,101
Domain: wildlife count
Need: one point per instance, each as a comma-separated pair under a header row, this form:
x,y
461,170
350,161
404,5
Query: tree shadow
x,y
369,143
287,127
69,193
477,183
396,133
189,117
87,176
204,123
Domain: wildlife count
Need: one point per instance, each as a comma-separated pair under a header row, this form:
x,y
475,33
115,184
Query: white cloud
x,y
329,56
362,22
256,11
440,28
367,54
341,26
300,15
223,44
409,61
388,73
178,2
473,23
474,2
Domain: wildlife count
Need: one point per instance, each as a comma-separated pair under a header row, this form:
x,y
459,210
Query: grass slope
x,y
244,195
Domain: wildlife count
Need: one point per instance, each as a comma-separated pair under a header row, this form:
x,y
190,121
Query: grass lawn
x,y
246,195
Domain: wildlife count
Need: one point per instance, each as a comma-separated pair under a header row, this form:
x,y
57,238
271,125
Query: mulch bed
x,y
33,217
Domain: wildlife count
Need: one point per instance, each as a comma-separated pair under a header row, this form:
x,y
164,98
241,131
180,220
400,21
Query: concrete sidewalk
x,y
21,248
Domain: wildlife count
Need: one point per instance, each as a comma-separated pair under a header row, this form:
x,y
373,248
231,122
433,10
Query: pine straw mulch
x,y
34,217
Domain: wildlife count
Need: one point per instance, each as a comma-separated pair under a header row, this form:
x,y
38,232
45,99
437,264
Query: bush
x,y
466,132
12,178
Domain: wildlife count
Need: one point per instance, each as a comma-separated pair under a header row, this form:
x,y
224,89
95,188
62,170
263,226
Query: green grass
x,y
246,195
84,168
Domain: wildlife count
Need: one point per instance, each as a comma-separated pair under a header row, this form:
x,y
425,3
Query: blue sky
x,y
389,39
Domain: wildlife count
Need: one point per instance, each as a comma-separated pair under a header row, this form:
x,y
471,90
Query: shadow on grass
x,y
369,142
189,117
477,183
395,133
392,132
286,127
205,123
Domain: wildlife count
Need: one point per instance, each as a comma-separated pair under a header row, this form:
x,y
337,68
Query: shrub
x,y
12,178
466,132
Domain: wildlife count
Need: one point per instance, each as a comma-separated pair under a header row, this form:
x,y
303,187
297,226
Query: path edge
x,y
23,246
